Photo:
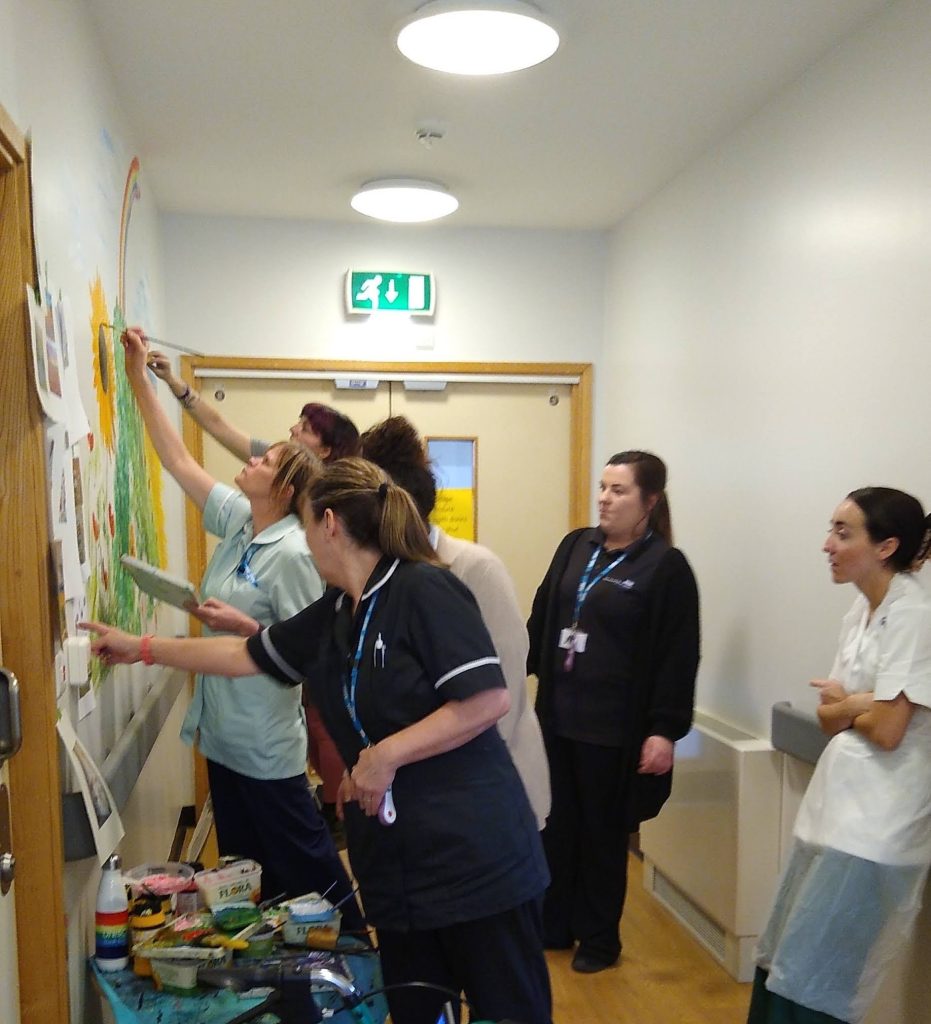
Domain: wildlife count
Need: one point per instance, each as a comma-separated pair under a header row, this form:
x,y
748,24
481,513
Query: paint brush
x,y
158,343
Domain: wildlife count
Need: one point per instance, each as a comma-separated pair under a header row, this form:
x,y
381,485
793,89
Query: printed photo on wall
x,y
78,425
63,511
105,823
46,360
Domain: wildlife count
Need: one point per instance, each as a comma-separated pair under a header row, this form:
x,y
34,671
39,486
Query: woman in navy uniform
x,y
441,835
614,640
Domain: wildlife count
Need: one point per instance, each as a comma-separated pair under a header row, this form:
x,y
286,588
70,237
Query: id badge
x,y
573,640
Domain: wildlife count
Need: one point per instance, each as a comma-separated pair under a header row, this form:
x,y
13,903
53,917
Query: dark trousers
x,y
497,962
768,1008
276,822
586,842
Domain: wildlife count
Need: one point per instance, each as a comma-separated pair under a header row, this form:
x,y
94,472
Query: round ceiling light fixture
x,y
404,200
482,37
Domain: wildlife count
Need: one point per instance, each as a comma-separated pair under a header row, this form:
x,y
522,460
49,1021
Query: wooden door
x,y
524,457
25,611
533,438
9,973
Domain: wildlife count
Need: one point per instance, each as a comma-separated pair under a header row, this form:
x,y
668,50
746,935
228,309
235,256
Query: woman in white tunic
x,y
862,841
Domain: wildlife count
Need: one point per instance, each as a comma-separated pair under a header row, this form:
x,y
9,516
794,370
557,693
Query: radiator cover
x,y
712,856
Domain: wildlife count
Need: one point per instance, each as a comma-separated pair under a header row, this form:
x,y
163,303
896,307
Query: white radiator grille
x,y
694,918
714,849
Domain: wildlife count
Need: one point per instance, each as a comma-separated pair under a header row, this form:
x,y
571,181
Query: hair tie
x,y
382,491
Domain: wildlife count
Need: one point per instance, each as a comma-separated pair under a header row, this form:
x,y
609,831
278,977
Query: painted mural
x,y
123,476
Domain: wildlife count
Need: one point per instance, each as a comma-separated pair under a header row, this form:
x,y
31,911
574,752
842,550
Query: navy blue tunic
x,y
465,844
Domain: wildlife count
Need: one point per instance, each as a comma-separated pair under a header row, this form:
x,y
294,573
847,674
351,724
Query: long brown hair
x,y
375,511
649,472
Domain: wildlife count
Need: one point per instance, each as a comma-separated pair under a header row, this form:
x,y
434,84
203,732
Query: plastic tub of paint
x,y
233,917
311,921
177,976
241,880
164,879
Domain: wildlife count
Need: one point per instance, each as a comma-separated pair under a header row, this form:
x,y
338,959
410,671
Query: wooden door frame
x,y
26,611
578,378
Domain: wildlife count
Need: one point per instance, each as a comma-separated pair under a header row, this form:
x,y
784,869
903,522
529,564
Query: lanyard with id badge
x,y
387,815
572,640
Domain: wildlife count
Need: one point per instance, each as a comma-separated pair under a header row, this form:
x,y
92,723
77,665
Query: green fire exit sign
x,y
371,290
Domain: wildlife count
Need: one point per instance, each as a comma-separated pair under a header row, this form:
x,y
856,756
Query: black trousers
x,y
497,962
276,822
586,841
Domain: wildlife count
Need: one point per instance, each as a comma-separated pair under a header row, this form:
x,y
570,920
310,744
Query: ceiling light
x,y
483,37
404,200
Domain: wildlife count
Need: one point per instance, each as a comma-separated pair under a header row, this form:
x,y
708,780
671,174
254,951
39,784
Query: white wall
x,y
275,288
767,333
53,85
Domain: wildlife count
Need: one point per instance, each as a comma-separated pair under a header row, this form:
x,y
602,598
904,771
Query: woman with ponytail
x,y
861,848
614,643
441,836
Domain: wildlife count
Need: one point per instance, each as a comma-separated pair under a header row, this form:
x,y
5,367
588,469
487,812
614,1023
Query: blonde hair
x,y
374,510
297,468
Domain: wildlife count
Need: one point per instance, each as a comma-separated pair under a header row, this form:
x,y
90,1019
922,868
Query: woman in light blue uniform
x,y
862,841
251,729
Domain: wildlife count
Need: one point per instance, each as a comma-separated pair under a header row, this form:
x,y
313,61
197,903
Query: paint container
x,y
146,916
164,880
176,977
241,880
312,921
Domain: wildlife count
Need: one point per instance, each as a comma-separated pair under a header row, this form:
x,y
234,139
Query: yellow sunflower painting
x,y
104,369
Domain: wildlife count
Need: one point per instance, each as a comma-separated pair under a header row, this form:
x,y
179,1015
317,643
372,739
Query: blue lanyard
x,y
585,587
352,679
244,569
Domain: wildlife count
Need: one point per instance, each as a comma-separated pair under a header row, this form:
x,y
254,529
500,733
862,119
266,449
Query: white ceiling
x,y
283,107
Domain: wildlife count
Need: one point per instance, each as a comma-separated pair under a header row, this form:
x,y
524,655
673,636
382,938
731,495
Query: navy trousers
x,y
276,822
496,961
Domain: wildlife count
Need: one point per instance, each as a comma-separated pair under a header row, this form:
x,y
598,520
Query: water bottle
x,y
111,918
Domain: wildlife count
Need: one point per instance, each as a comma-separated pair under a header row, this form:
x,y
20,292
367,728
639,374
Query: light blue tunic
x,y
253,725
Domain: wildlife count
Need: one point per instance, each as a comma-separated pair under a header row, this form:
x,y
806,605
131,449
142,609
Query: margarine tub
x,y
311,921
241,880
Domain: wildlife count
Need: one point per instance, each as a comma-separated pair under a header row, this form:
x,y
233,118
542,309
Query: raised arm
x,y
194,480
220,429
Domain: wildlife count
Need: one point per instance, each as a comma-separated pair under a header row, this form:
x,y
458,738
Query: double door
x,y
530,444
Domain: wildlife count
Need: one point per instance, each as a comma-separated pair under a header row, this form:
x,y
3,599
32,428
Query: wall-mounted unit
x,y
712,855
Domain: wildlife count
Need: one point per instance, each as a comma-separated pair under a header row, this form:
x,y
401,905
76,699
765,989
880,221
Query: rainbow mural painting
x,y
124,474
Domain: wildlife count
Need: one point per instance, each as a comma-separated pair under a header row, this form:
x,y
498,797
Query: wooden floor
x,y
664,975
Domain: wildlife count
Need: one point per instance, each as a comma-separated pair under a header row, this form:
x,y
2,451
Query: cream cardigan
x,y
483,572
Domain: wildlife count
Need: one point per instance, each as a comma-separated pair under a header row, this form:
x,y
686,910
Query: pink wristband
x,y
145,650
